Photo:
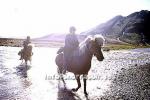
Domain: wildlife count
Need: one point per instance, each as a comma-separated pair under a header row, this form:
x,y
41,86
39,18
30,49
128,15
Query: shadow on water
x,y
22,70
64,93
67,94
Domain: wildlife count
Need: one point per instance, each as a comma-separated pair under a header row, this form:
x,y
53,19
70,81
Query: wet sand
x,y
123,75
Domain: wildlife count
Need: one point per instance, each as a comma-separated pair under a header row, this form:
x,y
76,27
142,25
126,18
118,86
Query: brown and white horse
x,y
81,59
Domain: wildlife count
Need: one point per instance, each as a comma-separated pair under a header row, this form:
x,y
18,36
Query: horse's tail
x,y
61,49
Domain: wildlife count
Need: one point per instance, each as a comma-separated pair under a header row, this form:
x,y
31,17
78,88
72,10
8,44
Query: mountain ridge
x,y
133,28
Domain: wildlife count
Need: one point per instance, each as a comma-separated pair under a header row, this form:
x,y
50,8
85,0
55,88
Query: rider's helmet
x,y
28,38
72,29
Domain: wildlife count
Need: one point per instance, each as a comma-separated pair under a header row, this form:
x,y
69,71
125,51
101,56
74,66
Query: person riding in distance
x,y
71,43
25,44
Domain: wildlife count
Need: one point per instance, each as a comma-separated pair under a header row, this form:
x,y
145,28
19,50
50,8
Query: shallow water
x,y
40,82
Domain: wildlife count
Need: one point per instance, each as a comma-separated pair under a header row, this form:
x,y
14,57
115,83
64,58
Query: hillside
x,y
57,37
133,28
51,37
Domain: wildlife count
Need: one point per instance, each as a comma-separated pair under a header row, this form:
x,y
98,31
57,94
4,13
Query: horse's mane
x,y
87,39
98,38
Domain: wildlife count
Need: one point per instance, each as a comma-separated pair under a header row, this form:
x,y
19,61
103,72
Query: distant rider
x,y
25,45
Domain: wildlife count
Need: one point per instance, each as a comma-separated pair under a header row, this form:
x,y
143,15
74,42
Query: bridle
x,y
90,53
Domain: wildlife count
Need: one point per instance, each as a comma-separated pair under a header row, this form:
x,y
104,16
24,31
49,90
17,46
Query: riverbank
x,y
130,84
57,44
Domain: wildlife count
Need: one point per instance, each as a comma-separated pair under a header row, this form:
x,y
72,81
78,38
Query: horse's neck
x,y
83,51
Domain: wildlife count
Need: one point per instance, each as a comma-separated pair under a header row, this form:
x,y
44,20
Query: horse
x,y
80,63
26,54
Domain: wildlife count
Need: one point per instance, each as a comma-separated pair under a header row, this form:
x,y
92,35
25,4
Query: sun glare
x,y
41,17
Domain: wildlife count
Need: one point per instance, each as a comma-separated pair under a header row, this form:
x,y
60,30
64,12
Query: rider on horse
x,y
71,43
25,44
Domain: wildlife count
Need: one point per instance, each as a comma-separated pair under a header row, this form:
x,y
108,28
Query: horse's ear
x,y
99,39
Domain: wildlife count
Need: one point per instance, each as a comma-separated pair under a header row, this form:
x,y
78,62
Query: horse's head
x,y
95,44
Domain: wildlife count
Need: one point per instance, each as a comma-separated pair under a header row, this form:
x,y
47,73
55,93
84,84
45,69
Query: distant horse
x,y
81,60
26,54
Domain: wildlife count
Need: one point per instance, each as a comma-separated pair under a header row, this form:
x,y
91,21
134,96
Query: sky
x,y
19,18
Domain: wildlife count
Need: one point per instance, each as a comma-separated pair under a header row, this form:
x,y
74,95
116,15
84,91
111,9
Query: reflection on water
x,y
13,80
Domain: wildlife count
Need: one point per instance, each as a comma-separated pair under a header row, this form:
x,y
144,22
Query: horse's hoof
x,y
25,76
74,90
86,94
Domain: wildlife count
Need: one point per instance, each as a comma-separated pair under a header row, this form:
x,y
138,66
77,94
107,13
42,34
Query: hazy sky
x,y
41,17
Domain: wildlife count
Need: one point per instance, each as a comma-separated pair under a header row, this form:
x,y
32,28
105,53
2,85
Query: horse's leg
x,y
26,62
21,61
31,59
84,81
59,71
78,81
62,78
30,62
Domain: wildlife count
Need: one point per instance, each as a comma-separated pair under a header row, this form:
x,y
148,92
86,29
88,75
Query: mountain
x,y
58,37
52,37
134,28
